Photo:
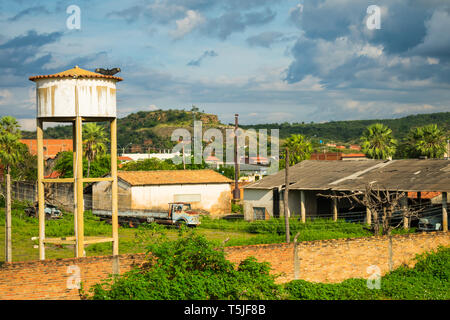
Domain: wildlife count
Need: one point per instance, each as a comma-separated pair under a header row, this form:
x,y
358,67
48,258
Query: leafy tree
x,y
10,154
94,142
99,167
427,141
377,142
299,147
191,267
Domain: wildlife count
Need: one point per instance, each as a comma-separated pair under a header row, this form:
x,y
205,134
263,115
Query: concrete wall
x,y
101,196
321,261
264,198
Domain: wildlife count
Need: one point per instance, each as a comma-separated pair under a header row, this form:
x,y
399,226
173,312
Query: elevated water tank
x,y
76,92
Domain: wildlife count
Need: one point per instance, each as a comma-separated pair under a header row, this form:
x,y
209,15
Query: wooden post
x,y
296,258
8,229
74,148
41,199
404,202
335,209
79,187
286,197
368,216
114,187
444,212
302,206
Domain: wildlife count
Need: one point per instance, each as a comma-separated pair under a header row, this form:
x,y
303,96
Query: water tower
x,y
76,96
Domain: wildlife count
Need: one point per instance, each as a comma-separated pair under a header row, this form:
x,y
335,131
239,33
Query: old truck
x,y
179,213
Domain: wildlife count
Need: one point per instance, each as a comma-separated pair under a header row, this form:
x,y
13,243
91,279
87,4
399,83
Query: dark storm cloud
x,y
267,39
29,12
231,22
20,55
198,61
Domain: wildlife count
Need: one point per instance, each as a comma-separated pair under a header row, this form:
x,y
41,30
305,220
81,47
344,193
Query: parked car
x,y
51,211
431,223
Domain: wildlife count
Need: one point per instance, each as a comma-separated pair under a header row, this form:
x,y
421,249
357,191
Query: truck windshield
x,y
186,207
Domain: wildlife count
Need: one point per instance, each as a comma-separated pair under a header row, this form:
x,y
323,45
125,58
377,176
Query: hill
x,y
349,131
152,129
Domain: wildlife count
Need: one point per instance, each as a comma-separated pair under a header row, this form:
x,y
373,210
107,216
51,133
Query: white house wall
x,y
215,198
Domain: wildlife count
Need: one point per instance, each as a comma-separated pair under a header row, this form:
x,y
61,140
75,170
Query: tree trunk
x,y
8,239
89,168
286,199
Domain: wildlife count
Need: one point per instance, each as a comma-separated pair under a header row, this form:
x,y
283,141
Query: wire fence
x,y
61,195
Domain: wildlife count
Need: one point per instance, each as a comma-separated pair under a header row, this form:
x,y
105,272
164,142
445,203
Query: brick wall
x,y
324,261
48,279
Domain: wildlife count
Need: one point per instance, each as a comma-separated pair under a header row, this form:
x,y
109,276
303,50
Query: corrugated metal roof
x,y
160,177
404,175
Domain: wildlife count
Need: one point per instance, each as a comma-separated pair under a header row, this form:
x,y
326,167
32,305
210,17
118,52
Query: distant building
x,y
354,147
151,191
310,179
51,146
143,156
337,156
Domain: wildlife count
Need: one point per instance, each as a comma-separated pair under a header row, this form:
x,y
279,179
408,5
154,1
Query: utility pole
x,y
237,192
286,195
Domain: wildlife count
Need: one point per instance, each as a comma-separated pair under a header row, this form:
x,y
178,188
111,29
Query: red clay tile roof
x,y
160,177
75,72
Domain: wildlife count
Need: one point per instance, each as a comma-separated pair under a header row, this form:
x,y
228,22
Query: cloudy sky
x,y
268,60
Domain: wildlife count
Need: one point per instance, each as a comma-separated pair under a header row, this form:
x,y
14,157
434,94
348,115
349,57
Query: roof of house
x,y
75,72
161,177
403,175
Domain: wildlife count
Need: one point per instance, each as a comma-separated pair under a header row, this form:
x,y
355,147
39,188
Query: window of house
x,y
259,213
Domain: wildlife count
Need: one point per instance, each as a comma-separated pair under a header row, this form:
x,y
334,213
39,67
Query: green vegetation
x,y
190,267
299,148
429,279
98,167
377,142
273,230
350,131
156,164
147,127
429,141
94,143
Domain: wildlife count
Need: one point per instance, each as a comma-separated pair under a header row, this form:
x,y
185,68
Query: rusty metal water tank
x,y
76,92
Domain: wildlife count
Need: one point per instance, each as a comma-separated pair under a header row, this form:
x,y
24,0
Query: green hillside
x,y
349,131
152,129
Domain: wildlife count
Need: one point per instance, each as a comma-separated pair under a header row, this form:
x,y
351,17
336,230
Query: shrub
x,y
190,267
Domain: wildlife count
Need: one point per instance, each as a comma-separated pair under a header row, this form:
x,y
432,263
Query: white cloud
x,y
187,24
5,96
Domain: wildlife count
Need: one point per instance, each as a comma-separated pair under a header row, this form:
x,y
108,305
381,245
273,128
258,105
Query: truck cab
x,y
182,213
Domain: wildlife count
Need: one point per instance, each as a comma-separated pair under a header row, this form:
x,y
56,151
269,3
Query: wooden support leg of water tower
x,y
114,195
74,148
41,198
79,188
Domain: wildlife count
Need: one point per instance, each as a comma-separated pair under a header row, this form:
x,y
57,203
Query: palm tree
x,y
299,148
94,142
10,154
427,141
377,142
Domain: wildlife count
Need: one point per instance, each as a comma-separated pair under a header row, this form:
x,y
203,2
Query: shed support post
x,y
302,206
335,209
368,216
40,183
444,212
114,195
404,202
